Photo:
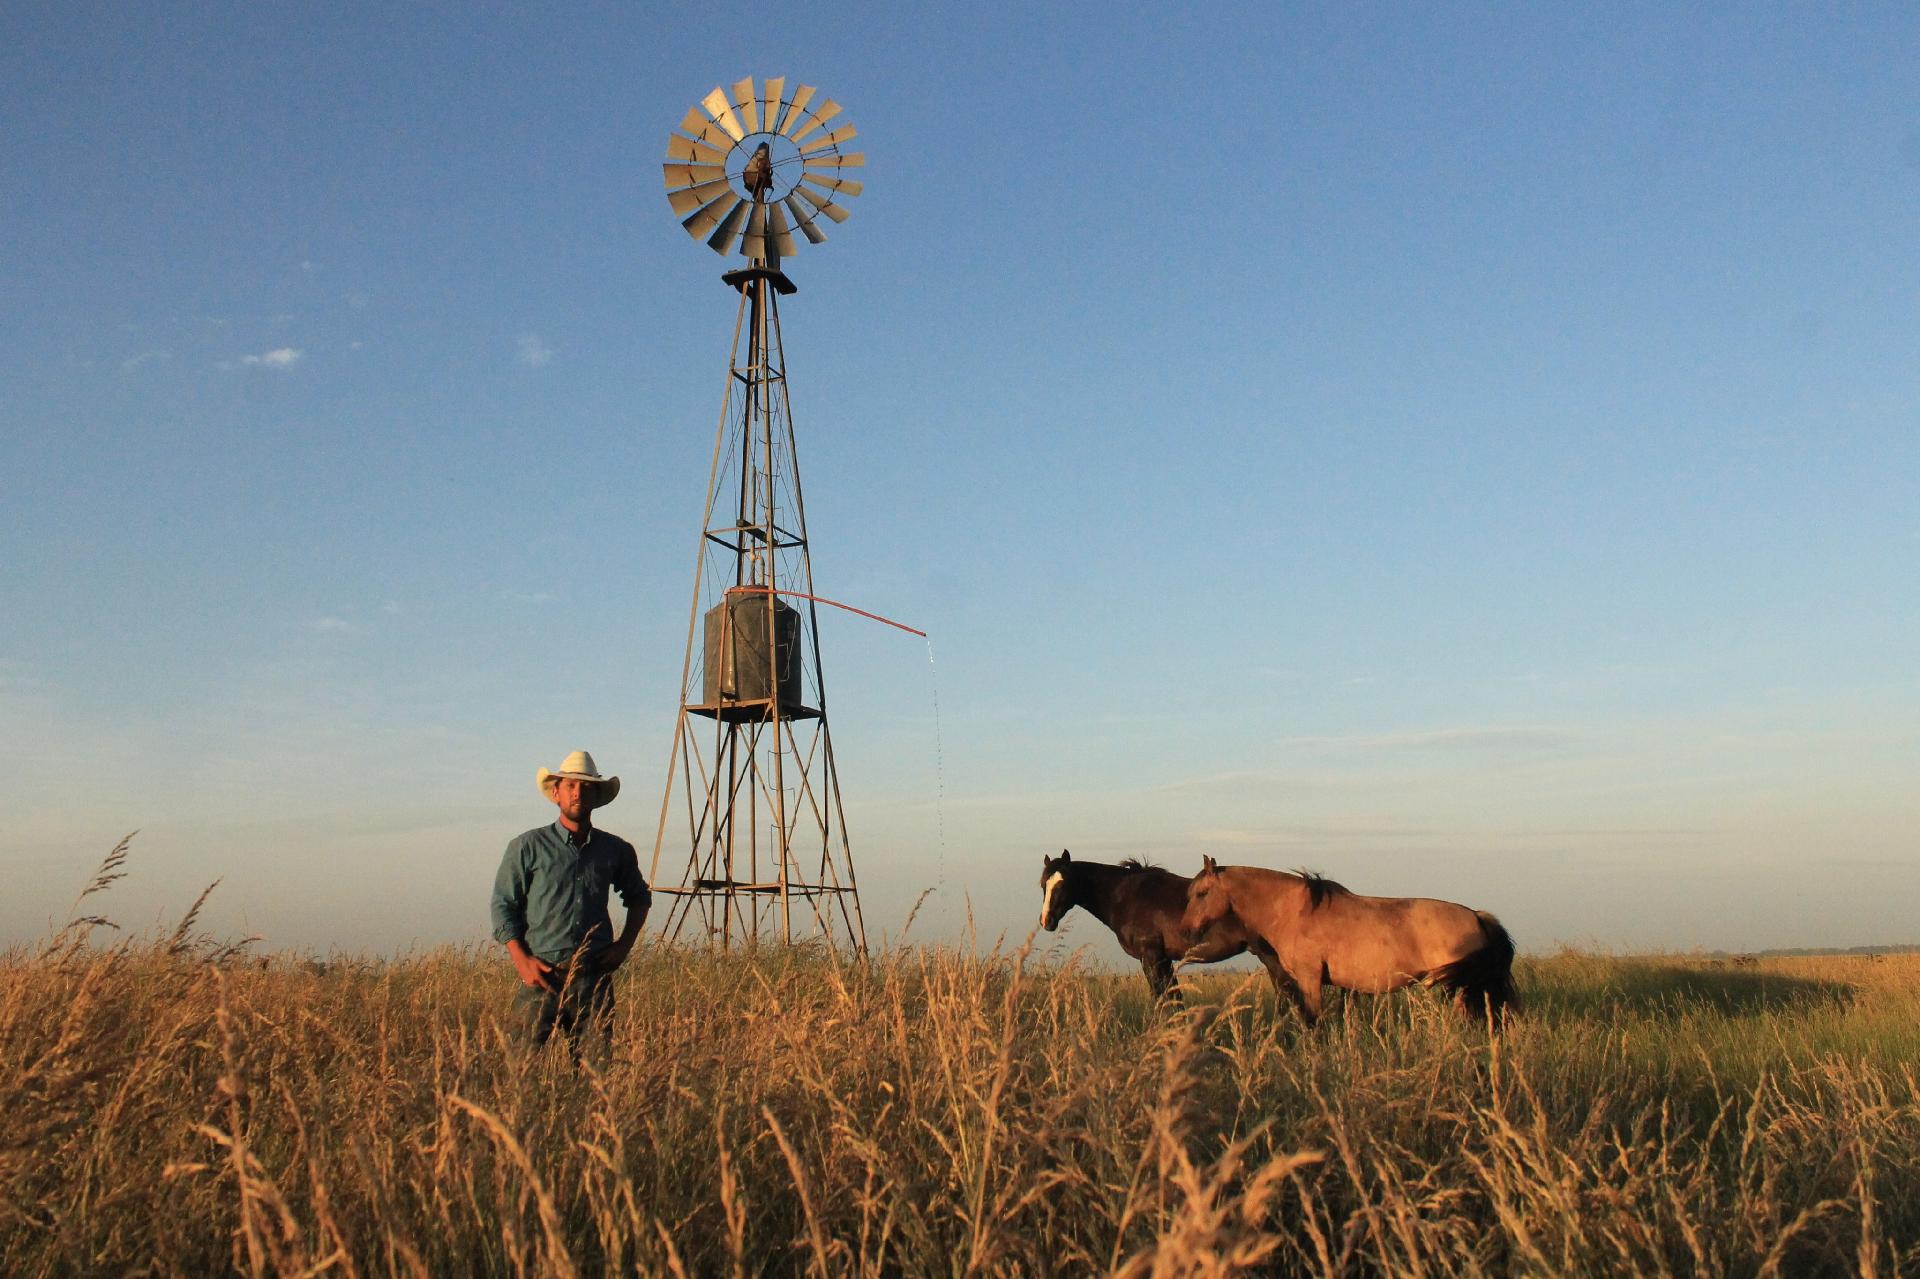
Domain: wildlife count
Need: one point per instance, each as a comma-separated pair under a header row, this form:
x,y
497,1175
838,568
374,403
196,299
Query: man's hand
x,y
533,970
615,955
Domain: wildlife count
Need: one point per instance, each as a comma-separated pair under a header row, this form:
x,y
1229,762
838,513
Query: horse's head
x,y
1056,889
1207,902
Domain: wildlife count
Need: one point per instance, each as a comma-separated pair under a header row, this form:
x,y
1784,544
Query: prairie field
x,y
173,1108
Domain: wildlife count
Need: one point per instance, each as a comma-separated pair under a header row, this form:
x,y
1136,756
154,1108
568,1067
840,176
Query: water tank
x,y
737,666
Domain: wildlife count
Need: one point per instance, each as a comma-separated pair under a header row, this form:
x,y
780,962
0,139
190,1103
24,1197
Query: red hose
x,y
820,599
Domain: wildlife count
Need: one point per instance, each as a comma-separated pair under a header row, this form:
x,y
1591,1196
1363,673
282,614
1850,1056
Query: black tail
x,y
1482,983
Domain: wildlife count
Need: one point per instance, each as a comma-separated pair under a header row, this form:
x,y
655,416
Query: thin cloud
x,y
534,352
1472,839
283,357
331,625
1240,780
1448,739
145,357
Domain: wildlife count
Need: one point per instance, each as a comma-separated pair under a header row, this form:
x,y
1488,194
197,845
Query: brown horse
x,y
1142,905
1310,932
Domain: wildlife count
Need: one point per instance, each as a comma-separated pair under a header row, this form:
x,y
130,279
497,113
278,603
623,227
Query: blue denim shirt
x,y
553,895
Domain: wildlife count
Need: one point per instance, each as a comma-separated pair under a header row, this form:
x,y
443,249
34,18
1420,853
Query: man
x,y
550,909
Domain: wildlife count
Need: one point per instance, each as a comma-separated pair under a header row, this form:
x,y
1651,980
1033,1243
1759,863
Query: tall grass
x,y
174,1108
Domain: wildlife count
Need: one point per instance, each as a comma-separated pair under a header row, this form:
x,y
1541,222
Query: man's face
x,y
575,798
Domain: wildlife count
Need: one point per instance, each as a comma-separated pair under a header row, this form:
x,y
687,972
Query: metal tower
x,y
752,798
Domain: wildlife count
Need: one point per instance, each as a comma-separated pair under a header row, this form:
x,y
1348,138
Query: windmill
x,y
753,795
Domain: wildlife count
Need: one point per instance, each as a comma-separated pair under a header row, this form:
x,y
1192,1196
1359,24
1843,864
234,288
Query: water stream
x,y
939,773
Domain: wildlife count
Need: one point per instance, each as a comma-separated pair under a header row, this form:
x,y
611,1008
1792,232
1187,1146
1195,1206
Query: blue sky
x,y
1469,451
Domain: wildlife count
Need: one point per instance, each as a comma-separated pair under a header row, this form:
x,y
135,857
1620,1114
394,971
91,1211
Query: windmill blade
x,y
749,107
770,103
721,241
827,111
842,186
686,149
797,109
700,126
764,226
805,222
825,206
722,112
691,198
782,238
702,223
833,139
754,244
685,175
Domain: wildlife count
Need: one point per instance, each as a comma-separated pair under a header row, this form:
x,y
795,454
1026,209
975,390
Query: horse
x,y
1142,904
1311,932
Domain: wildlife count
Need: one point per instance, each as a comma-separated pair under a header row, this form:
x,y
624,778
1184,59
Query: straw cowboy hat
x,y
580,765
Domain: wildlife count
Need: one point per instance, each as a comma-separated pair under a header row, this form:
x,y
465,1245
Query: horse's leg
x,y
1308,985
1285,990
1306,978
1159,971
1170,984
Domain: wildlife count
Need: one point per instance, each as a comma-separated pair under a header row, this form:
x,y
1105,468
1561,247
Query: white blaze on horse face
x,y
1055,882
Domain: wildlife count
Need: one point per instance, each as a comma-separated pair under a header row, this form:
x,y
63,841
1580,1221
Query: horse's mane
x,y
1319,887
1134,863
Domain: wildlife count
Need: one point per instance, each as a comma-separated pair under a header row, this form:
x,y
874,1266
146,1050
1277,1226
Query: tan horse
x,y
1311,933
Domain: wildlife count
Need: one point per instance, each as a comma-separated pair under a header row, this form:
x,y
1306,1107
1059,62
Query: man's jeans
x,y
582,1011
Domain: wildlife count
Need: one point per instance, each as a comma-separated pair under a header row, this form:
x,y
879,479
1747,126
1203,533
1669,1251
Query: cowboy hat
x,y
579,765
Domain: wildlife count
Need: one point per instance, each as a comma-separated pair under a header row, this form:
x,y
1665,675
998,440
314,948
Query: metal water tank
x,y
737,667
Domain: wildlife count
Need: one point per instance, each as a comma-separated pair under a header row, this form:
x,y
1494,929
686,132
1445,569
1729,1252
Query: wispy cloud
x,y
1446,739
145,357
282,357
332,625
534,351
1458,836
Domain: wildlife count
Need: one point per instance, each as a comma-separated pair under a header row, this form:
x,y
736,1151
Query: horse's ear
x,y
1208,866
1065,856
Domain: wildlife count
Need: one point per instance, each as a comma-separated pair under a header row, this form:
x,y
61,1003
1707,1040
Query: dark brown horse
x,y
1142,905
1311,933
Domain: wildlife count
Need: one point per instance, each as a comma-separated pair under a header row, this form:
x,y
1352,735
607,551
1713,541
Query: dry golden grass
x,y
169,1110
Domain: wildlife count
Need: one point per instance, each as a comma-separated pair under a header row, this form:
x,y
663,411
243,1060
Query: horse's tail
x,y
1482,982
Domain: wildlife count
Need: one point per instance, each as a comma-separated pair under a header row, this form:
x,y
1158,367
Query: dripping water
x,y
939,772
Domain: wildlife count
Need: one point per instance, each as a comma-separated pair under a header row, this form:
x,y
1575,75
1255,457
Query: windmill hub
x,y
757,177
